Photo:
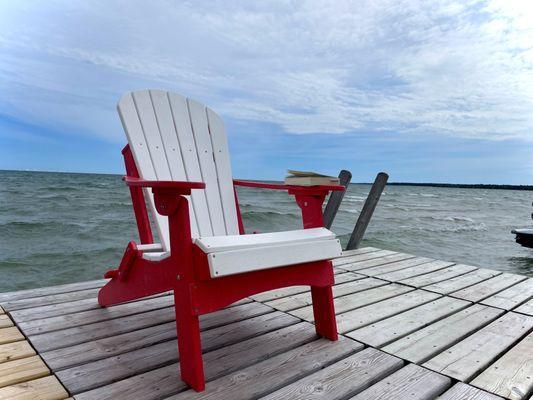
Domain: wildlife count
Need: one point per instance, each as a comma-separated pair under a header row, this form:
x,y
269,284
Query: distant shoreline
x,y
428,184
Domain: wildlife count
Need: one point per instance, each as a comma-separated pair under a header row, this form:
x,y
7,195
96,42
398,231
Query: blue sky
x,y
438,91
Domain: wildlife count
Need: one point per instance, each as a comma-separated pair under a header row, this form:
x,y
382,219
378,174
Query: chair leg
x,y
189,341
324,312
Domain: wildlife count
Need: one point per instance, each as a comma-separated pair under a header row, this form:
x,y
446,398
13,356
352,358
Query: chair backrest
x,y
176,138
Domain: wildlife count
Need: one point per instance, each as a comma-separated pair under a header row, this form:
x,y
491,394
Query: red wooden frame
x,y
186,271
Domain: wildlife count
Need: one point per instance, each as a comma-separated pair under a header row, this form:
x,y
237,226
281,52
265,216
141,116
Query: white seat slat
x,y
235,242
225,177
255,258
204,151
180,112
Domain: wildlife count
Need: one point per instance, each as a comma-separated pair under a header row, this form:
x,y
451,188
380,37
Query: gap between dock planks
x,y
414,309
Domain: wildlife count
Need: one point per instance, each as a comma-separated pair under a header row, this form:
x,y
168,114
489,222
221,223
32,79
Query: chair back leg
x,y
189,341
324,312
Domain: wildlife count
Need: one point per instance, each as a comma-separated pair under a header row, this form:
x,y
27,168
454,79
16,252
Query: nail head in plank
x,y
15,350
344,378
462,281
269,375
473,354
511,376
397,326
462,391
421,345
47,388
511,297
360,317
21,370
411,382
482,290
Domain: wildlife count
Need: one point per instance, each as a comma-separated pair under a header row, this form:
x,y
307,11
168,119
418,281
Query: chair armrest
x,y
292,189
178,186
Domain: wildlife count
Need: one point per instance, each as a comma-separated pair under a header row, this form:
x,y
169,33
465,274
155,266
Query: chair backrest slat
x,y
174,138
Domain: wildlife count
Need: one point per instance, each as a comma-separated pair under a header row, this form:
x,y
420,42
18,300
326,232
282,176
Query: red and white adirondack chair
x,y
177,160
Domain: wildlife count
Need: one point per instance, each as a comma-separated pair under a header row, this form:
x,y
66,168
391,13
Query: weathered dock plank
x,y
413,271
304,299
47,388
462,281
341,262
377,261
15,350
438,276
360,317
425,343
12,305
21,370
393,328
10,334
482,290
356,300
395,266
411,382
344,378
511,297
5,321
462,391
262,378
511,376
470,356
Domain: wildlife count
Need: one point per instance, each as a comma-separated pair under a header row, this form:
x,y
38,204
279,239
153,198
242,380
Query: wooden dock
x,y
412,328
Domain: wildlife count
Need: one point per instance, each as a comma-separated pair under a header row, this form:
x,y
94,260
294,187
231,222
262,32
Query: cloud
x,y
462,69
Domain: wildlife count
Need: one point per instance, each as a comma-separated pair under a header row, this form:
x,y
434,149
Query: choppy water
x,y
59,228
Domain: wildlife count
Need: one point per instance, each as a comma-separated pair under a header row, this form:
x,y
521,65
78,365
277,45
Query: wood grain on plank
x,y
51,290
47,388
356,300
363,316
80,334
294,290
10,334
342,289
511,297
165,381
395,266
473,354
5,321
397,326
462,391
511,376
484,289
344,378
377,261
24,369
269,375
341,262
462,281
56,323
15,350
438,276
423,344
11,305
416,270
113,346
411,382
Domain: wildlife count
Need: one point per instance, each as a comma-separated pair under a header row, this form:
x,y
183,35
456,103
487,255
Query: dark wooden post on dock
x,y
335,199
367,211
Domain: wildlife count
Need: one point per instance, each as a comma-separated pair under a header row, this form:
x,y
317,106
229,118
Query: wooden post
x,y
367,211
335,199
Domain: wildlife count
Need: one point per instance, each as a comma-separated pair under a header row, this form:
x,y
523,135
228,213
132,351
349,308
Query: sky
x,y
427,91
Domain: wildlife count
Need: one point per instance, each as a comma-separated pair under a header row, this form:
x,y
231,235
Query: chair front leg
x,y
324,312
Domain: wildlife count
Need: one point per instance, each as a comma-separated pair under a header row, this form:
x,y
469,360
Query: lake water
x,y
58,228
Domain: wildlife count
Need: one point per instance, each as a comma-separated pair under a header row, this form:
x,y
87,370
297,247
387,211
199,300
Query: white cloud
x,y
450,68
